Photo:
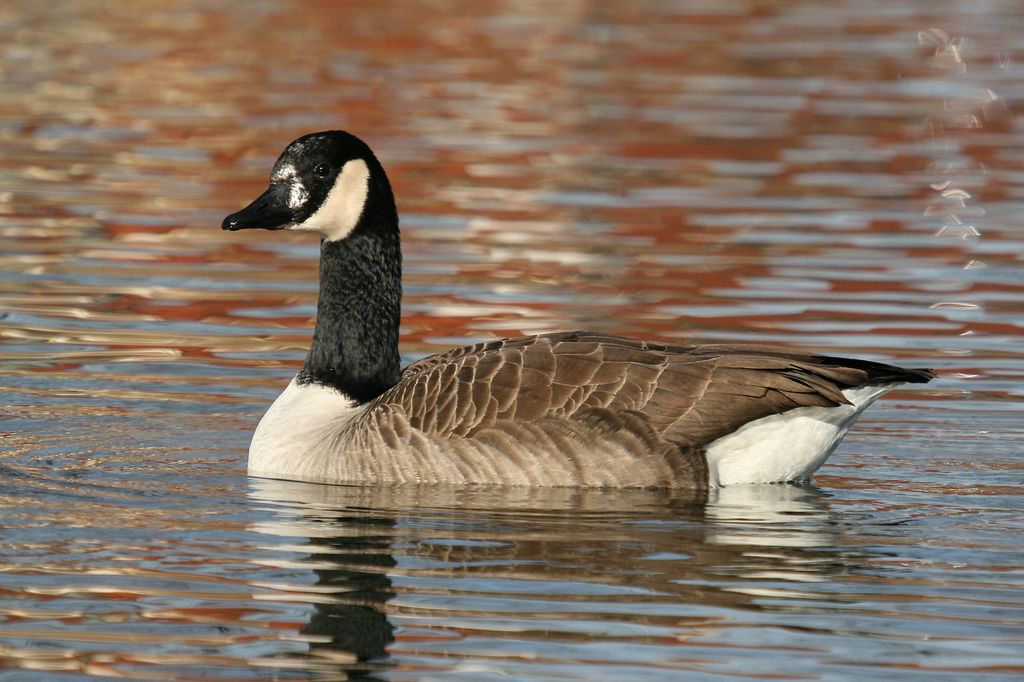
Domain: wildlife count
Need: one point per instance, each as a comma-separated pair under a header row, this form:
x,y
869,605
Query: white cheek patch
x,y
339,214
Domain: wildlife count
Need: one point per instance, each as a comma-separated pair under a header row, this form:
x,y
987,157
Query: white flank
x,y
299,422
339,214
788,446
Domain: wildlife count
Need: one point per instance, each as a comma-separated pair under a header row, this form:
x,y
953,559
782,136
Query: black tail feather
x,y
879,372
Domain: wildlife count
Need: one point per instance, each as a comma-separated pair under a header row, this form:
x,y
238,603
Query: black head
x,y
323,183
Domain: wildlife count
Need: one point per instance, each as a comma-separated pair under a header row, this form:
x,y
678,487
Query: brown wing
x,y
688,394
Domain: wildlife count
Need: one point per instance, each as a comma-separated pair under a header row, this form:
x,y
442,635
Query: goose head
x,y
329,183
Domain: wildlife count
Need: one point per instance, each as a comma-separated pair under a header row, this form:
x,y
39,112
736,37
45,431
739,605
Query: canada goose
x,y
565,409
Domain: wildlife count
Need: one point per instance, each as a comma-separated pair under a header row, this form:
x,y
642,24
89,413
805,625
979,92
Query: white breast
x,y
297,437
788,446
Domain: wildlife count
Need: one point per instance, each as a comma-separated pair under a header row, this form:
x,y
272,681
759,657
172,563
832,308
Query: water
x,y
846,177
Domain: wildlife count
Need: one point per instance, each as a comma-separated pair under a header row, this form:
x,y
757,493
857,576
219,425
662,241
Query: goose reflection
x,y
739,547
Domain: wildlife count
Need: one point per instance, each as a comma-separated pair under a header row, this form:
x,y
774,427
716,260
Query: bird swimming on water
x,y
563,409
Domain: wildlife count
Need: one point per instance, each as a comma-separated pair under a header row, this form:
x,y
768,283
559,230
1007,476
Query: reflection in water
x,y
771,516
352,619
387,558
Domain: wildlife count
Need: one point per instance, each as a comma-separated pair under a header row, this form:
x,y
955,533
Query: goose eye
x,y
322,170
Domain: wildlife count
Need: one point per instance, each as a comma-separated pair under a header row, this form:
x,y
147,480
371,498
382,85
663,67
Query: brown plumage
x,y
688,394
677,398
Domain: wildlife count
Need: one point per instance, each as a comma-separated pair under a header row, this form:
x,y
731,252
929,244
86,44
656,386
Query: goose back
x,y
688,394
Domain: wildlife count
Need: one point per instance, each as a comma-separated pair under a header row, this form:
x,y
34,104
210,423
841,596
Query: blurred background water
x,y
847,176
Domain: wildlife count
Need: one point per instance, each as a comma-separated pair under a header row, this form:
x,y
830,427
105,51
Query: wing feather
x,y
687,394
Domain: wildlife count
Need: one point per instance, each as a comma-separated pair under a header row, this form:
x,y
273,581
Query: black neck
x,y
355,343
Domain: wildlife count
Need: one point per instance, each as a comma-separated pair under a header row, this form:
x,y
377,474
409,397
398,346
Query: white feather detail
x,y
788,446
297,195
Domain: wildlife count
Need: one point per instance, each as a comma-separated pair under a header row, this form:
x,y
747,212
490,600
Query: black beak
x,y
270,212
